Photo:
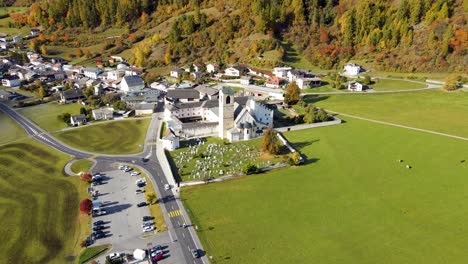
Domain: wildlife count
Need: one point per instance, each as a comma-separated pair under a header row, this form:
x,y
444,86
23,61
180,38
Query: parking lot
x,y
123,219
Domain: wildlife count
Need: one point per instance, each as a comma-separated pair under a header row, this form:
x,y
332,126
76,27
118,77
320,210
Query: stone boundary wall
x,y
335,121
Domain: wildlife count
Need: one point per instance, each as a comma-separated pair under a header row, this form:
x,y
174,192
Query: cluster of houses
x,y
246,75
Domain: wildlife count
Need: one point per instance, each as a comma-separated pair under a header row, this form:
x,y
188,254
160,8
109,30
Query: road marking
x,y
174,213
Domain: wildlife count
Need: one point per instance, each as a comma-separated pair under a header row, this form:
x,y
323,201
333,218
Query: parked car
x,y
148,228
167,187
142,204
121,167
128,169
195,253
141,180
99,235
147,223
147,218
141,184
135,173
102,212
115,255
156,248
157,255
99,227
100,222
139,191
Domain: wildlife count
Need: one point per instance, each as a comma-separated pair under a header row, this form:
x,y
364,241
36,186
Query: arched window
x,y
228,99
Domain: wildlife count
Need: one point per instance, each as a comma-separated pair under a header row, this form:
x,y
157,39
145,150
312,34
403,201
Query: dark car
x,y
147,218
100,222
99,235
156,248
142,204
195,253
141,184
99,227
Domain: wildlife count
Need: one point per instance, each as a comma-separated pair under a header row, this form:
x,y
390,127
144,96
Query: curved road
x,y
185,236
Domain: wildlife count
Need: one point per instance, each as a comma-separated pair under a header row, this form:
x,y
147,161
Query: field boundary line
x,y
401,126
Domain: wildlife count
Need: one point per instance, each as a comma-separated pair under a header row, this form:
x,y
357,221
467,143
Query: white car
x,y
141,180
167,186
115,255
148,228
122,167
101,212
135,173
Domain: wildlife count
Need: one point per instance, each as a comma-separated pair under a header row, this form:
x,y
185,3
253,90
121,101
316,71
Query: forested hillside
x,y
394,35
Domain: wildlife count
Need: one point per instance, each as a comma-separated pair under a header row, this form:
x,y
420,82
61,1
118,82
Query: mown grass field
x,y
352,202
82,165
45,115
39,210
9,130
116,137
393,85
433,110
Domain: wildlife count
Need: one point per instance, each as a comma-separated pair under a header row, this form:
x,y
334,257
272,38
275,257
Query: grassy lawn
x,y
433,110
155,208
10,131
40,220
92,252
352,202
116,137
216,156
45,115
392,85
82,165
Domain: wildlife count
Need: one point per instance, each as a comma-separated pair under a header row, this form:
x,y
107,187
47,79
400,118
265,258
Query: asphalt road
x,y
178,233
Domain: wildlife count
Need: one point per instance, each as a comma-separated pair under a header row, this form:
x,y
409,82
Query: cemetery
x,y
205,158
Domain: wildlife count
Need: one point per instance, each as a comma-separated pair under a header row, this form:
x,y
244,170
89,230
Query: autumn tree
x,y
309,116
86,177
43,50
42,92
270,142
86,206
79,52
451,82
292,94
294,158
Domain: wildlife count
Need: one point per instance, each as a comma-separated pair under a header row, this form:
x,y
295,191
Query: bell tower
x,y
226,111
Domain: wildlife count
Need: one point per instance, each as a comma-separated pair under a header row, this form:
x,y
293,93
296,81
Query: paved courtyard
x,y
123,219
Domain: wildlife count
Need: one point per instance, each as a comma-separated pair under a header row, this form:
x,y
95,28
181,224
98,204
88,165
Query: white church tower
x,y
226,111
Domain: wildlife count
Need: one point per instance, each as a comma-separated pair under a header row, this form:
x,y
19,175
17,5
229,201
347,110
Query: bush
x,y
86,205
294,158
249,169
86,177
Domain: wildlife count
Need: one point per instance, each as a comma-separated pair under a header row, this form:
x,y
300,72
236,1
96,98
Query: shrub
x,y
249,169
294,158
86,177
86,205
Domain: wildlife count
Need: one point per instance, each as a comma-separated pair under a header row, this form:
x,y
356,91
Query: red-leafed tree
x,y
86,205
86,176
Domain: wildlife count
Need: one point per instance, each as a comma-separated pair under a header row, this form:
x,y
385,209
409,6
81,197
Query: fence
x,y
335,121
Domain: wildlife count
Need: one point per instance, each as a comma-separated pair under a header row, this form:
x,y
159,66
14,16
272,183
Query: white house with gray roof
x,y
132,83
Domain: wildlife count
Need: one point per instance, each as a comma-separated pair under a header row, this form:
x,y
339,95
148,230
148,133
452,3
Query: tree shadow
x,y
308,160
300,145
290,54
314,98
117,208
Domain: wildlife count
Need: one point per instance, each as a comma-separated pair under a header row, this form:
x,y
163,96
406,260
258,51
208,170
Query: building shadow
x,y
313,98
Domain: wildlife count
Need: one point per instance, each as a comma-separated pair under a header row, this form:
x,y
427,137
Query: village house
x,y
71,96
273,82
11,81
171,141
304,83
212,67
295,74
77,120
207,93
235,71
196,75
146,95
104,113
162,86
176,73
114,75
245,80
182,95
197,67
132,83
260,73
91,72
281,72
144,109
356,86
352,69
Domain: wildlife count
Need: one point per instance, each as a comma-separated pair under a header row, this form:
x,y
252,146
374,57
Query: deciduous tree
x,y
86,205
270,142
292,94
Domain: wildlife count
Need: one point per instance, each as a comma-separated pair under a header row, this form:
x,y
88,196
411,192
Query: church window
x,y
228,99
